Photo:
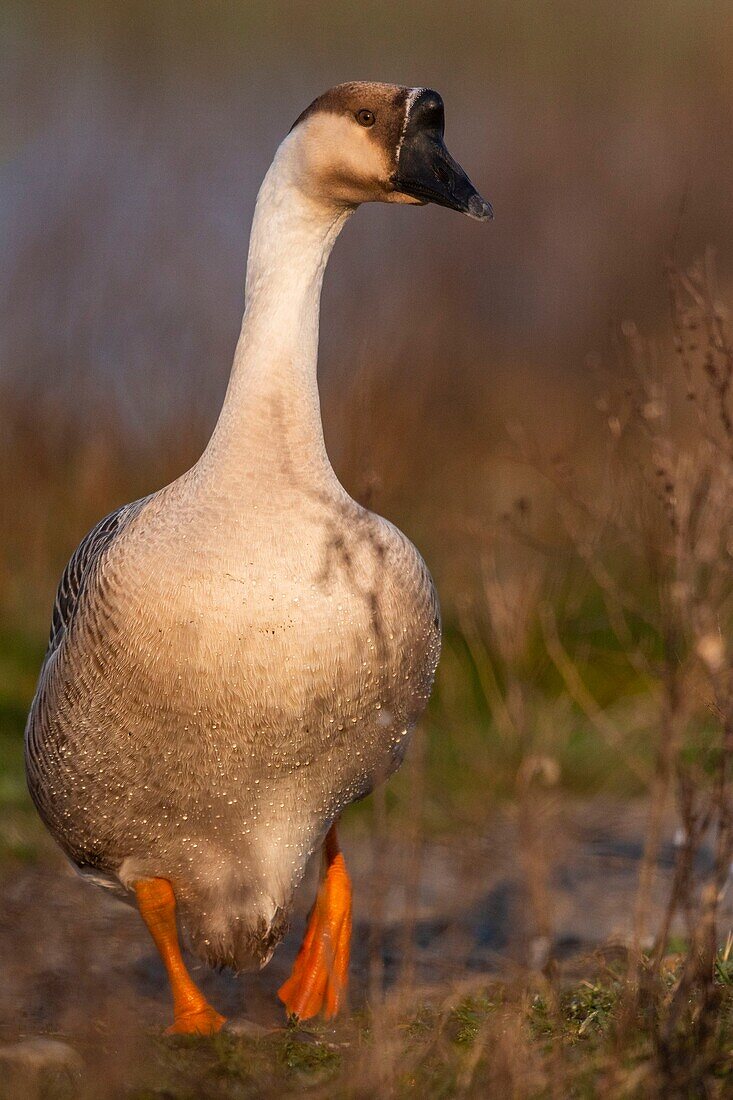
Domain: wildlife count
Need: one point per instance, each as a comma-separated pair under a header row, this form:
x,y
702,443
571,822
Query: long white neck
x,y
270,425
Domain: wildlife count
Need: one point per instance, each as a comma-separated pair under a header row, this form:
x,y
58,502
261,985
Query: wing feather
x,y
81,565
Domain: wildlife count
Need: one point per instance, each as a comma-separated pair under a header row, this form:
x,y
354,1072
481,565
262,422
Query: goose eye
x,y
365,118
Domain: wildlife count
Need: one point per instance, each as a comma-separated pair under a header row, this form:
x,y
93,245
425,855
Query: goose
x,y
237,657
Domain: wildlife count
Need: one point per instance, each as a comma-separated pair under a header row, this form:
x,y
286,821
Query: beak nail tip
x,y
479,209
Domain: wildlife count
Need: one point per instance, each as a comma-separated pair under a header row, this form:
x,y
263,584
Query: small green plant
x,y
468,1017
589,1006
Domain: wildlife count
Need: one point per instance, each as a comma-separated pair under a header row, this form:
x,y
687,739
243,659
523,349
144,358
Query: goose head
x,y
368,142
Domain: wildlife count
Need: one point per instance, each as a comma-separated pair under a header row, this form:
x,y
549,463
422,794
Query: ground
x,y
439,942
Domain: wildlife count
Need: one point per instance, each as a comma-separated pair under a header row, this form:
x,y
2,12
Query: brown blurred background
x,y
462,398
134,137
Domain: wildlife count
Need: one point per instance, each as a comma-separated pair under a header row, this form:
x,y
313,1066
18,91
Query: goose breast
x,y
232,684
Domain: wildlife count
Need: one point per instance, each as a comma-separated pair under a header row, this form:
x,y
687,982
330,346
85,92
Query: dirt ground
x,y
75,960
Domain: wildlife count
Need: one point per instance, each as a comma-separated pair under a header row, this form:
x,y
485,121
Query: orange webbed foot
x,y
205,1021
192,1013
320,973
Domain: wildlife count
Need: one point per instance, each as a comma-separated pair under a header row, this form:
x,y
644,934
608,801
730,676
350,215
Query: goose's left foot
x,y
320,973
202,1021
192,1013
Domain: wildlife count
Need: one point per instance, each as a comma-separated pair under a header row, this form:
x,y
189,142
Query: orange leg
x,y
320,973
192,1013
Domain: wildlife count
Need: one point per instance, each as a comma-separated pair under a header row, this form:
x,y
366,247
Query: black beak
x,y
425,168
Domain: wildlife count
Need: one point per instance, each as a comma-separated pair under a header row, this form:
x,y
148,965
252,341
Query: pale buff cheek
x,y
345,158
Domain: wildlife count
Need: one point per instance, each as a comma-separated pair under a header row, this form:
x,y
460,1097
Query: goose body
x,y
234,682
237,657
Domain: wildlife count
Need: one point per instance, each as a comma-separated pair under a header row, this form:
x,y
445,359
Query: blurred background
x,y
134,138
459,363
